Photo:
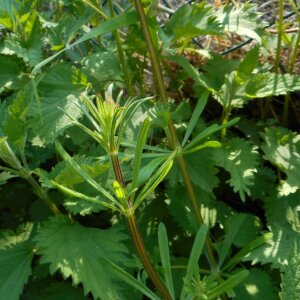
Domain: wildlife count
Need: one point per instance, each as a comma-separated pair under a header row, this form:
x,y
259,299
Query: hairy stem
x,y
136,236
173,140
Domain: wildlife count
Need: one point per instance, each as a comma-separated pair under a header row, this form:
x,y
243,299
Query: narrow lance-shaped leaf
x,y
163,244
139,150
208,131
126,277
84,197
155,180
82,173
195,116
228,284
195,255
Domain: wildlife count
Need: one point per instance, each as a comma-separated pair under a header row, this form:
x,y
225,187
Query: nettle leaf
x,y
11,69
201,167
102,66
283,220
14,124
244,20
258,285
192,20
16,253
270,84
30,50
290,287
59,90
249,228
181,209
80,253
240,159
15,269
282,148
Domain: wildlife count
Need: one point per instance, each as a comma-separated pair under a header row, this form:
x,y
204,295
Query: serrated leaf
x,y
202,170
60,90
282,148
248,64
10,72
240,159
30,50
15,269
243,20
78,252
102,67
290,287
124,19
192,20
284,222
15,125
240,229
258,285
270,84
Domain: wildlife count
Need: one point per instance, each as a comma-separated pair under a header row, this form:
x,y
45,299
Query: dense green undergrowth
x,y
128,171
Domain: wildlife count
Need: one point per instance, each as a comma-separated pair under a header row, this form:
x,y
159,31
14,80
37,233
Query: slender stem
x,y
122,57
144,257
41,193
172,136
136,236
279,38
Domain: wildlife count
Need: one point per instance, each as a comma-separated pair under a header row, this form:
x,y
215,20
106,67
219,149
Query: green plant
x,y
203,153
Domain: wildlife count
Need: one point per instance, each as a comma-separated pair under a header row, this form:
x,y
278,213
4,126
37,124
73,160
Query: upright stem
x,y
173,140
43,195
279,38
144,257
136,236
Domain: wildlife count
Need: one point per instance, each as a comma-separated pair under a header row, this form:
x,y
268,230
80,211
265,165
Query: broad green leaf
x,y
258,285
15,123
270,84
240,159
248,64
228,284
30,50
202,170
15,269
78,252
290,287
129,279
163,244
282,148
283,220
59,94
195,255
195,116
243,20
192,20
240,230
122,20
11,69
101,67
